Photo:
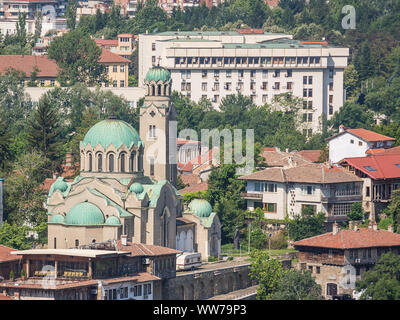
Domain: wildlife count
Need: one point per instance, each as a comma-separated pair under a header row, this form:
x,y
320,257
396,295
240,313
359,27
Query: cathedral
x,y
126,186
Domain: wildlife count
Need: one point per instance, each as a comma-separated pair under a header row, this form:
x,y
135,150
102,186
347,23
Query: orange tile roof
x,y
47,67
250,31
277,158
109,57
6,256
3,297
374,151
351,239
140,249
106,42
394,150
194,188
310,155
369,136
384,166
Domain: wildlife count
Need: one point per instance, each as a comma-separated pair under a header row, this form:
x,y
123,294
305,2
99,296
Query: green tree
x,y
267,272
393,210
297,285
5,144
351,82
15,236
21,30
356,212
71,14
306,226
383,281
77,56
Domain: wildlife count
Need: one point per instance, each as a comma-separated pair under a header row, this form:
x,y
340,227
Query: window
x,y
132,162
310,92
90,162
264,85
122,162
153,47
309,118
152,166
318,270
55,243
331,86
111,163
304,79
304,93
228,86
307,190
99,162
216,73
153,60
330,109
252,73
310,268
352,141
289,85
228,73
204,73
188,74
52,83
152,131
369,168
188,86
289,73
76,243
330,73
240,73
122,83
360,143
264,74
115,68
330,98
42,83
115,83
310,79
264,98
367,191
270,207
341,209
276,86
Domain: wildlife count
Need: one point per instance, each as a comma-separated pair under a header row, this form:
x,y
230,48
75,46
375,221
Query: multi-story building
x,y
123,45
339,258
90,7
260,65
281,192
381,176
350,143
116,69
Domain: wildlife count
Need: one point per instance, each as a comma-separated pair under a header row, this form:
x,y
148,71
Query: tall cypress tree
x,y
44,132
5,141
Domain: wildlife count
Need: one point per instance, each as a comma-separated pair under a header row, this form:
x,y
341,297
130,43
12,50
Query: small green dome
x,y
112,131
58,218
200,208
158,74
136,187
59,184
84,214
113,221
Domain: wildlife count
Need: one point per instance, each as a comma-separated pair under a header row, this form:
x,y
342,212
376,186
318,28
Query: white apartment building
x,y
261,65
281,192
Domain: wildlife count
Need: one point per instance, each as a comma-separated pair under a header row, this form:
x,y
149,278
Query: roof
x,y
195,188
3,297
180,141
109,57
6,256
394,150
349,239
205,33
47,68
84,214
158,73
140,249
378,166
200,207
364,134
125,35
282,43
310,155
190,179
182,221
106,42
311,173
86,253
277,158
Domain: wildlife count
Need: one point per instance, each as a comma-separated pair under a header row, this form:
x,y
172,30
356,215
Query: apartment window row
x,y
246,61
267,207
115,84
253,73
265,187
307,80
115,68
307,190
341,209
307,117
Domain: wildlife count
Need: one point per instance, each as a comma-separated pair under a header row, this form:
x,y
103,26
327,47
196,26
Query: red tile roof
x,y
250,31
190,179
6,256
394,150
369,136
180,141
351,239
2,297
310,155
140,249
106,42
374,151
109,57
47,68
382,166
194,188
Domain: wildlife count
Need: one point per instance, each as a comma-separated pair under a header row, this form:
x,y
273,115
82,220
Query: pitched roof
x,y
310,155
180,141
108,56
349,239
6,256
378,166
364,134
140,249
27,64
277,158
106,42
394,150
190,179
311,173
195,188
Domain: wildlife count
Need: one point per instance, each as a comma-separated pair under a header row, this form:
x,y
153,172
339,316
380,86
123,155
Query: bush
x,y
356,212
278,241
212,259
384,223
230,258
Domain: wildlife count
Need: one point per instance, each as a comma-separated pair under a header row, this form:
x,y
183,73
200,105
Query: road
x,y
217,265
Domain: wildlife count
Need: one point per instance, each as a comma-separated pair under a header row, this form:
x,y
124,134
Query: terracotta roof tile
x,y
370,136
5,254
106,42
108,56
140,249
310,155
394,150
195,188
348,239
26,64
283,159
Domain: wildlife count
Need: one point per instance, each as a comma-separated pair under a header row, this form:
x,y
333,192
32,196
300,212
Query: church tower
x,y
158,127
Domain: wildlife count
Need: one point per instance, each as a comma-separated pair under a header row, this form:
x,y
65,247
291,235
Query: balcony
x,y
341,198
251,196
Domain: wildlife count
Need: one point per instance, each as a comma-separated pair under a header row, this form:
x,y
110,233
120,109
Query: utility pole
x,y
249,236
1,201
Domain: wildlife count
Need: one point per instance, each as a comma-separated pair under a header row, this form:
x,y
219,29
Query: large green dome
x,y
112,131
58,218
84,214
200,208
158,74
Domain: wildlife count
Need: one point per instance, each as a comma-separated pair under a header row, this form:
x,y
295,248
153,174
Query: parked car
x,y
188,260
342,297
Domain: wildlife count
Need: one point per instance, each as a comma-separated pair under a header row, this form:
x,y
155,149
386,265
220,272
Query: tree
x,y
383,281
5,142
297,285
15,236
38,26
77,56
351,82
353,115
266,271
356,212
306,226
393,210
21,30
44,132
71,14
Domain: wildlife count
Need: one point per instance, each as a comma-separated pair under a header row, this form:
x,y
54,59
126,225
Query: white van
x,y
188,260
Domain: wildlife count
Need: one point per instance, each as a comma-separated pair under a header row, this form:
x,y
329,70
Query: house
x,y
8,262
274,157
350,143
281,192
123,46
381,175
116,69
310,155
101,271
339,258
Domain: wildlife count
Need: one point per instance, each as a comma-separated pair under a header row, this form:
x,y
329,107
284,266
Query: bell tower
x,y
158,127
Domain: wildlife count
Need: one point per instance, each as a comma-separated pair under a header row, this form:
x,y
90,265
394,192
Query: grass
x,y
228,249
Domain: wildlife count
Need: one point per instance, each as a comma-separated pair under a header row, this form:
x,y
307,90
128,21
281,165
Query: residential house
x,y
339,258
281,192
381,176
116,69
350,143
123,46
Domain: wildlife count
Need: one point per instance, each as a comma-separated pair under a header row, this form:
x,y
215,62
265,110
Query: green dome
x,y
59,184
113,221
158,73
200,208
136,188
58,218
112,131
84,214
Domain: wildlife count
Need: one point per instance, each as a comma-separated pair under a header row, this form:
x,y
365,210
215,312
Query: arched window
x,y
122,162
159,90
76,243
132,166
140,162
111,163
153,90
99,162
90,162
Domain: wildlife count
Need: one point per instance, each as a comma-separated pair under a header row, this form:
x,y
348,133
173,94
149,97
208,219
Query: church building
x,y
126,186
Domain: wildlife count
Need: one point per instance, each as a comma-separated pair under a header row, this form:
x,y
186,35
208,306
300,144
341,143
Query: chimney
x,y
124,238
370,225
341,128
335,228
375,226
390,228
